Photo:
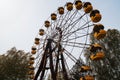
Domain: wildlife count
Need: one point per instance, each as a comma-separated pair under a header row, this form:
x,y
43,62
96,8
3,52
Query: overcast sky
x,y
20,20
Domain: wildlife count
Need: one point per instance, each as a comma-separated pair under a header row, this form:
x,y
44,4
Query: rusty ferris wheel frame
x,y
67,33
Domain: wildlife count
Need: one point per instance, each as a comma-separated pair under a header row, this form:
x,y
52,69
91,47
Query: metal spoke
x,y
68,33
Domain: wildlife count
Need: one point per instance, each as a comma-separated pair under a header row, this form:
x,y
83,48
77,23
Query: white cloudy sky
x,y
20,20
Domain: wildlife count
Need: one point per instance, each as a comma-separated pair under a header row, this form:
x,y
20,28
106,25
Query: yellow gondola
x,y
31,67
98,27
53,16
31,76
82,78
87,77
69,6
87,7
32,58
61,10
47,24
78,5
95,16
97,56
33,50
41,32
100,35
37,41
85,68
95,47
31,72
31,62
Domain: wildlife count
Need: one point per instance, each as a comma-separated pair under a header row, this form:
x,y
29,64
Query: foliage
x,y
109,67
13,65
75,71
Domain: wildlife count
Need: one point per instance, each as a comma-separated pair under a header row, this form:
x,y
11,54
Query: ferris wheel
x,y
62,39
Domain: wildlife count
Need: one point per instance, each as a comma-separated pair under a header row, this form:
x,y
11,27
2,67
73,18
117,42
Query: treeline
x,y
107,68
13,65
